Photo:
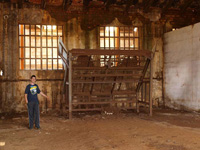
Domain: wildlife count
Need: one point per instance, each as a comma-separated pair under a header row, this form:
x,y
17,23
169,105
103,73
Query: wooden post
x,y
137,102
46,104
142,99
70,86
145,95
151,87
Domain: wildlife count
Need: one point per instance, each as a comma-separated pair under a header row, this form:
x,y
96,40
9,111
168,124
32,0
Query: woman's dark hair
x,y
33,76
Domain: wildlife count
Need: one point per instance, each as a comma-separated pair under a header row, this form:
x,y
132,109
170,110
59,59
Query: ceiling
x,y
94,12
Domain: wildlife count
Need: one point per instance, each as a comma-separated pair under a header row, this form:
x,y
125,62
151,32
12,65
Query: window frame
x,y
119,37
105,59
22,48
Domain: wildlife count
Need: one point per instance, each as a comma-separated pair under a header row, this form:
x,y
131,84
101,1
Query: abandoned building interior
x,y
119,74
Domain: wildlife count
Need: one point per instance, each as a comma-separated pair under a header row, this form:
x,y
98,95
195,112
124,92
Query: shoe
x,y
38,128
30,128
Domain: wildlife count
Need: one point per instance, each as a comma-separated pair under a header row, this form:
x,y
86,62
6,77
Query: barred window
x,y
118,38
38,47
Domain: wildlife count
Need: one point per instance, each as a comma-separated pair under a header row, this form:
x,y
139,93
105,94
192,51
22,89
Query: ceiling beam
x,y
186,4
128,5
43,4
108,3
147,4
167,6
66,4
20,3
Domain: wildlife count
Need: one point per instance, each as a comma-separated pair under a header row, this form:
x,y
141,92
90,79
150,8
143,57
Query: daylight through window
x,y
118,38
38,47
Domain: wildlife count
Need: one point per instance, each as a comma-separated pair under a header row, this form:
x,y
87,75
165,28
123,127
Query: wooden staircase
x,y
114,80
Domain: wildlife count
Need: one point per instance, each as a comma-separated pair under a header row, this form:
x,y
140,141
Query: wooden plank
x,y
151,88
108,81
113,60
137,103
122,76
83,86
70,86
142,102
105,98
108,75
104,93
145,91
111,68
92,86
142,93
78,52
113,85
143,72
97,109
88,109
108,102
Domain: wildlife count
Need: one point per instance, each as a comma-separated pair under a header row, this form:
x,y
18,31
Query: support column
x,y
151,87
70,86
137,102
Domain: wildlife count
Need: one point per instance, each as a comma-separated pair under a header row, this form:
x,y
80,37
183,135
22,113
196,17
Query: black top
x,y
32,91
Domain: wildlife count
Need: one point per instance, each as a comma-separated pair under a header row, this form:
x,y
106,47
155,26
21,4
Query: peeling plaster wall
x,y
14,80
153,35
76,38
157,94
182,63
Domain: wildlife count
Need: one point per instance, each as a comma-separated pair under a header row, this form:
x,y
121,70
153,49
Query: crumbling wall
x,y
14,80
181,73
153,37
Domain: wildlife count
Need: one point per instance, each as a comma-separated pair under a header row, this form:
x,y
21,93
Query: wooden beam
x,y
107,75
116,60
167,6
147,4
108,81
112,68
113,85
64,4
78,52
20,3
108,102
123,92
92,86
141,102
88,109
123,72
43,4
186,4
151,89
137,103
70,86
144,72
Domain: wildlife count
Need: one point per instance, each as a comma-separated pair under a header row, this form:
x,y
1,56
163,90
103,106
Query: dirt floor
x,y
166,130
